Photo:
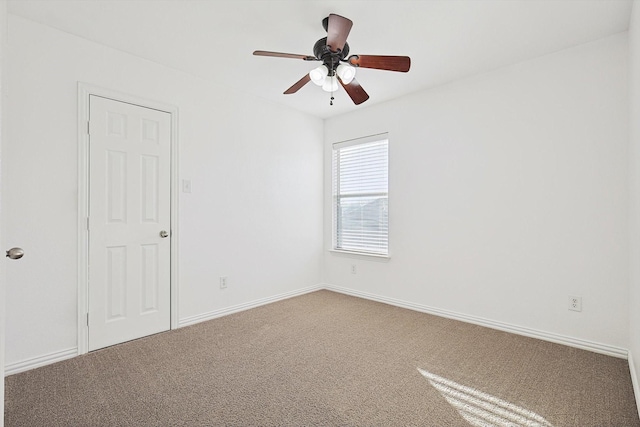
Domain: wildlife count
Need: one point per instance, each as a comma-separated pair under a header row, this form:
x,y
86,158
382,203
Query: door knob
x,y
164,234
15,253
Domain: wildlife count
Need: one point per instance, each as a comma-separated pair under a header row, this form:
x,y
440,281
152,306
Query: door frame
x,y
85,90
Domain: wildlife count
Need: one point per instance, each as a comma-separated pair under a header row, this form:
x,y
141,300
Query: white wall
x,y
508,193
3,28
634,191
508,189
255,213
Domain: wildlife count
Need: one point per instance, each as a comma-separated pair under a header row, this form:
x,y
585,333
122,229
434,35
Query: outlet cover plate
x,y
186,186
575,303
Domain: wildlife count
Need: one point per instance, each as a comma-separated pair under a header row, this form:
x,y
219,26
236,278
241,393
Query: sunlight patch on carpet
x,y
482,409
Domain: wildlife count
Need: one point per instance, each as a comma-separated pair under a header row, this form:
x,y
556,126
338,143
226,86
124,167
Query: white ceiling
x,y
446,40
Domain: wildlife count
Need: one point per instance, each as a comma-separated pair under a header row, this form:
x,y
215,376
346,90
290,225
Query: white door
x,y
129,221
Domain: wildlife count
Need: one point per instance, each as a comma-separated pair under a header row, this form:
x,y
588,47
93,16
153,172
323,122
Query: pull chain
x,y
333,74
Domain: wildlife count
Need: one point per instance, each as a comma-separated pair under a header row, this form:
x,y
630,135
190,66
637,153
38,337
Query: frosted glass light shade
x,y
330,84
346,73
319,75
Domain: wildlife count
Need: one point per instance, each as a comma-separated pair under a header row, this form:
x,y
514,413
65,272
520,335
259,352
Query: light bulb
x,y
330,84
319,75
346,73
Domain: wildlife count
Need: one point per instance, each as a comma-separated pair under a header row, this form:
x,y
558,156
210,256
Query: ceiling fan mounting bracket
x,y
325,23
329,58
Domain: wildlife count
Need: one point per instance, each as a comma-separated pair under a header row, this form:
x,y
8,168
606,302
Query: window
x,y
360,195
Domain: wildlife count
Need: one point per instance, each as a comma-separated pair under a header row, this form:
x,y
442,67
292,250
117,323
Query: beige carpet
x,y
327,359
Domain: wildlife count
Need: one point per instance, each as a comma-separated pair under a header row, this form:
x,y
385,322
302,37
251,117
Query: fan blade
x,y
285,55
355,91
381,62
297,85
337,32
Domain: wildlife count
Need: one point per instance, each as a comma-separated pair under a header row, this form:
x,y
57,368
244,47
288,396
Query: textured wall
x,y
254,214
634,187
508,193
3,26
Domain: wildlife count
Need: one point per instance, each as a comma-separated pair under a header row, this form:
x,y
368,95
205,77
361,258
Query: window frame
x,y
335,197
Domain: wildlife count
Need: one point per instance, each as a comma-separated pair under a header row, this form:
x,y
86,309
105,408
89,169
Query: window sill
x,y
360,254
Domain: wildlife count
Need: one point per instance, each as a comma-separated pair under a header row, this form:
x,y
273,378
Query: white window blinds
x,y
360,195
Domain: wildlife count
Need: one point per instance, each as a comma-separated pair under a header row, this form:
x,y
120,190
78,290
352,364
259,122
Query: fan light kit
x,y
337,68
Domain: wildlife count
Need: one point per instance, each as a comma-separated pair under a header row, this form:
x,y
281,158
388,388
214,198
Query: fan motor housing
x,y
329,58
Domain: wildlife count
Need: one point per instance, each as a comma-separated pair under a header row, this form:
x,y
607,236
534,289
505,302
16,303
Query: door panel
x,y
129,204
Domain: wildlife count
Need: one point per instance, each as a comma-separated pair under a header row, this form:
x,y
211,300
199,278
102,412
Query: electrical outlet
x,y
575,303
223,282
353,269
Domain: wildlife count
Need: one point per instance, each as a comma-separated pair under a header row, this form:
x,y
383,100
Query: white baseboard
x,y
191,320
506,327
634,380
36,362
47,359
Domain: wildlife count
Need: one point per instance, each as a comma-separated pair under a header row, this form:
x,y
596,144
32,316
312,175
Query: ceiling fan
x,y
336,66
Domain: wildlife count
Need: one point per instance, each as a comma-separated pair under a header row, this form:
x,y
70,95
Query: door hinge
x,y
88,127
87,223
87,319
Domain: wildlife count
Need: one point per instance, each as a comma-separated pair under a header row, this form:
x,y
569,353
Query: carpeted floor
x,y
327,359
